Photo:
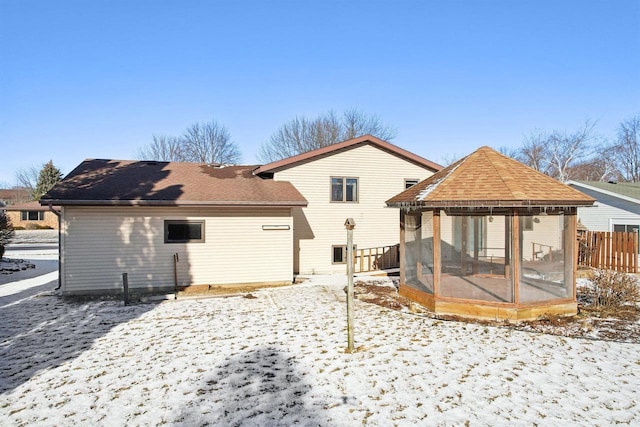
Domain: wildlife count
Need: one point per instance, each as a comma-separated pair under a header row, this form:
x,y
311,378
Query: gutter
x,y
59,215
217,204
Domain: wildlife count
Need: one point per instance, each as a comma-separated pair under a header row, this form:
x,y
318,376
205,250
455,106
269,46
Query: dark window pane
x,y
180,232
408,183
33,215
336,190
338,254
194,232
352,189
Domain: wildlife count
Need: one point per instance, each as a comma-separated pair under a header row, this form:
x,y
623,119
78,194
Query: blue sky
x,y
96,79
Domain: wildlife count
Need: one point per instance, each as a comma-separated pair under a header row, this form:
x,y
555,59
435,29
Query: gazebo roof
x,y
486,178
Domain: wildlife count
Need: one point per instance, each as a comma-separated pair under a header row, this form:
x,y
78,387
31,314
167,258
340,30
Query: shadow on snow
x,y
258,387
43,331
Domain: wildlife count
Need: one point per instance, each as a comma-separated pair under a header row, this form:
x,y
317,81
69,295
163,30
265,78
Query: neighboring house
x,y
223,225
31,215
13,196
351,179
617,206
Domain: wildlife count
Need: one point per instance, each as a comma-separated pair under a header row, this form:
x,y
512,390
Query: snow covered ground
x,y
279,359
34,236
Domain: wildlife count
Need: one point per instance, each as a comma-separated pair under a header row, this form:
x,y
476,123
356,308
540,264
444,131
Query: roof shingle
x,y
126,182
487,178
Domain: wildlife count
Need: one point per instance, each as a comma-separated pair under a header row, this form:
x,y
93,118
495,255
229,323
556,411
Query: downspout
x,y
56,213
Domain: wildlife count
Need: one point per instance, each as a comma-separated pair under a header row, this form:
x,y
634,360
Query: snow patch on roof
x,y
431,187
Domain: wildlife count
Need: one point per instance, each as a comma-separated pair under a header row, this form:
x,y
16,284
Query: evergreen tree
x,y
6,232
49,176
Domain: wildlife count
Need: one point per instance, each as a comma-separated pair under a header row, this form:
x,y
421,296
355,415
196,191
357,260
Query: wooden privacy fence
x,y
609,250
380,258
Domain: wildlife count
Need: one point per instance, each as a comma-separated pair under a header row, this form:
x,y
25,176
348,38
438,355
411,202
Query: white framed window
x,y
32,215
344,189
408,183
179,231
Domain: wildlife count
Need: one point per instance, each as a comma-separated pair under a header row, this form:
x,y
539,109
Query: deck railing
x,y
609,250
380,258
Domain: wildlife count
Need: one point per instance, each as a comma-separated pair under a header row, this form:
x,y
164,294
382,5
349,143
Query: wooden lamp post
x,y
350,224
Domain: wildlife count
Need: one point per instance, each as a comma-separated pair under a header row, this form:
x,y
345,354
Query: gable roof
x,y
486,178
346,145
126,182
629,191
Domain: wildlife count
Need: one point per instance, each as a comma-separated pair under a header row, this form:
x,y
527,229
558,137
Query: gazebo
x,y
489,237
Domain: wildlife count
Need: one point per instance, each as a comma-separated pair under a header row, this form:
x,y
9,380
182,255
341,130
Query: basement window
x,y
183,231
339,254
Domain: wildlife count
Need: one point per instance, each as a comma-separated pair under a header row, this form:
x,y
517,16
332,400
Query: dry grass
x,y
592,321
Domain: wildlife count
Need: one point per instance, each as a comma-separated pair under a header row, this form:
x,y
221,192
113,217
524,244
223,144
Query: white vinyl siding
x,y
101,243
599,217
381,175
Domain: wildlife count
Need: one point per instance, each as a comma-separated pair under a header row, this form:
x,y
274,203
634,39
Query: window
x,y
408,183
339,254
32,215
344,189
184,231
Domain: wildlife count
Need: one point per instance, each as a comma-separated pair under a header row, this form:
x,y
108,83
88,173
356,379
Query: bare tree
x,y
302,134
534,151
558,153
627,149
163,148
27,177
451,158
568,149
210,142
509,151
356,123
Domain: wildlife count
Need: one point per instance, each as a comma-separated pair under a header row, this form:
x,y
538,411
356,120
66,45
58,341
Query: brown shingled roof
x,y
344,145
486,178
125,182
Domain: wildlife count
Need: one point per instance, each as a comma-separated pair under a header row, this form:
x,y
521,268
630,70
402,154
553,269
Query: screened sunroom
x,y
488,237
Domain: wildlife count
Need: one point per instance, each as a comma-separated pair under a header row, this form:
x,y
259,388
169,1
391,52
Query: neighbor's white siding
x,y
607,209
99,244
317,227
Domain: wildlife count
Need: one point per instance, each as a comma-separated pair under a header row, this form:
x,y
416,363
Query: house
x,y
227,225
14,195
31,215
351,179
489,237
170,225
617,206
